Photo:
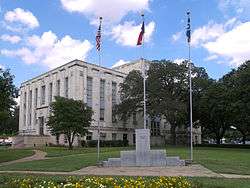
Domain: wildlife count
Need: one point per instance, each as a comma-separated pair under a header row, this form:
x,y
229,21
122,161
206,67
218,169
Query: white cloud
x,y
1,67
232,45
51,51
10,38
211,31
211,57
119,63
21,16
110,10
206,33
127,34
176,36
179,61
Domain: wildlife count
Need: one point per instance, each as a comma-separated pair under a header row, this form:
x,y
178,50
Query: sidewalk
x,y
39,155
189,171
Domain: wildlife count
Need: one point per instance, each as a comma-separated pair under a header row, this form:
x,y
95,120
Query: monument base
x,y
143,156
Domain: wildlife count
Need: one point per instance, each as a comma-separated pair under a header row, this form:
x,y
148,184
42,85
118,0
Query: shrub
x,y
106,143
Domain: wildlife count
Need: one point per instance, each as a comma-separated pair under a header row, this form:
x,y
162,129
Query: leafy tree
x,y
11,126
131,95
167,92
238,88
8,92
69,117
215,111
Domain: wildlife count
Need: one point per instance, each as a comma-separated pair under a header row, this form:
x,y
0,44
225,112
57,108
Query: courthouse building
x,y
98,87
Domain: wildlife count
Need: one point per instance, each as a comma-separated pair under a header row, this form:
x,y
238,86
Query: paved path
x,y
39,155
235,176
189,171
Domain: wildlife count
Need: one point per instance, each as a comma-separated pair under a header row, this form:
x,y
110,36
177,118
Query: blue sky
x,y
36,36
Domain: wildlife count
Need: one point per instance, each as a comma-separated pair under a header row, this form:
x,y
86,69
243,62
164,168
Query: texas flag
x,y
140,38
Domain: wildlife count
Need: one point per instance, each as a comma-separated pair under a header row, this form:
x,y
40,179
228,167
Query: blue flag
x,y
188,32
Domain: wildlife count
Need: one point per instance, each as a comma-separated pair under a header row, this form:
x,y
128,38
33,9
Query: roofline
x,y
75,60
131,63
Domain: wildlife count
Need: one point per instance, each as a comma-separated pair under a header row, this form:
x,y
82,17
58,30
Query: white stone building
x,y
97,86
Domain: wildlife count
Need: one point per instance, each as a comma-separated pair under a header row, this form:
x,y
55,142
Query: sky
x,y
39,35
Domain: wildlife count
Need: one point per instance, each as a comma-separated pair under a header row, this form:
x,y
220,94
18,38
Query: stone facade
x,y
98,87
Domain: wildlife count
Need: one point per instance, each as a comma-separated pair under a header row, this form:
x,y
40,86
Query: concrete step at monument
x,y
175,161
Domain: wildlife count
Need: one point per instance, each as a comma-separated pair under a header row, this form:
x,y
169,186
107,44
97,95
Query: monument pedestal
x,y
143,156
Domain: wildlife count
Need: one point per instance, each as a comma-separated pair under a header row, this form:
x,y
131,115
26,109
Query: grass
x,y
220,160
224,160
7,154
196,182
61,151
220,183
64,164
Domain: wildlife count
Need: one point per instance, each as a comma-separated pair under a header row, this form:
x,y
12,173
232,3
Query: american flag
x,y
98,36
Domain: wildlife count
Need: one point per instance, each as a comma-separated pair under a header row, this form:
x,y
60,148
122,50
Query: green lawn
x,y
7,154
64,164
221,160
196,182
61,151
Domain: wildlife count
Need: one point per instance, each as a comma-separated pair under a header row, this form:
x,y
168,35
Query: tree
x,y
167,92
238,87
131,95
8,92
69,117
215,111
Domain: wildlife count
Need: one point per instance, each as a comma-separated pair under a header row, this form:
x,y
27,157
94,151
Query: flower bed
x,y
103,182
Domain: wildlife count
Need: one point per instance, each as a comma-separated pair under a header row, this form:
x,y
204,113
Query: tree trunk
x,y
70,142
243,138
218,140
173,134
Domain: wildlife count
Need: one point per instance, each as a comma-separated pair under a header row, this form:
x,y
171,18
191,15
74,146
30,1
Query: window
x,y
30,99
114,90
65,139
36,97
89,91
57,139
24,108
30,107
114,85
35,118
58,88
125,137
89,136
50,92
103,136
41,125
134,118
43,95
102,100
114,135
155,128
66,86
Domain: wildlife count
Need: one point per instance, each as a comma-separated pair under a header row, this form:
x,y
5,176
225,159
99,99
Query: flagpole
x,y
99,75
144,81
190,91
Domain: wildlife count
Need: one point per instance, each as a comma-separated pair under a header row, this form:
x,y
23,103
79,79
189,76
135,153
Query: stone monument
x,y
143,155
